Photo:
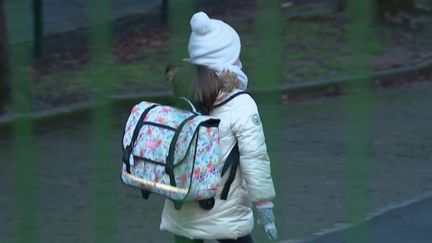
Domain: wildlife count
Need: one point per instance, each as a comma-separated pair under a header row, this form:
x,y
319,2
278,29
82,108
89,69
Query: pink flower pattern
x,y
210,168
154,142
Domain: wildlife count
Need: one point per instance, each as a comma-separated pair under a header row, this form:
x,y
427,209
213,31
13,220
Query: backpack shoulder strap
x,y
191,106
231,97
233,161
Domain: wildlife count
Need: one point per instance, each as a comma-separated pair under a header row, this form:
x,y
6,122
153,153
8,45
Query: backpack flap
x,y
158,129
166,134
160,139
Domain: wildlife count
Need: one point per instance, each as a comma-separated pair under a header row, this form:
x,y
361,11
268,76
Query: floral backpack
x,y
175,153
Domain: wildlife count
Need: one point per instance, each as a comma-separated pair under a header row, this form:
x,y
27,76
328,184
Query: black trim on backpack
x,y
207,204
233,161
128,150
210,123
149,160
179,204
169,162
154,124
230,98
145,194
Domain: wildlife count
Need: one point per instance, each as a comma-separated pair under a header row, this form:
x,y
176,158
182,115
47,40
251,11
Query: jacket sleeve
x,y
254,160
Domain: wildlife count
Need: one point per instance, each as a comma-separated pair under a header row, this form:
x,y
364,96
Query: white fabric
x,y
215,44
265,204
232,218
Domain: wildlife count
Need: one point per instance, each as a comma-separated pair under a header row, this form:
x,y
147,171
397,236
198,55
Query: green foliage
x,y
267,55
182,79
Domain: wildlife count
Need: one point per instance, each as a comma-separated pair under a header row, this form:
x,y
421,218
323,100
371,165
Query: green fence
x,y
267,72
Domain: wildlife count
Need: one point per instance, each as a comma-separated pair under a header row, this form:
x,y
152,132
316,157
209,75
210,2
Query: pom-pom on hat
x,y
215,44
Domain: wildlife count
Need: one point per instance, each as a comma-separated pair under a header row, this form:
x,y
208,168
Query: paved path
x,y
404,225
65,15
308,146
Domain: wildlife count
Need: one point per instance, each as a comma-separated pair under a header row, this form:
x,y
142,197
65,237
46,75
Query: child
x,y
214,48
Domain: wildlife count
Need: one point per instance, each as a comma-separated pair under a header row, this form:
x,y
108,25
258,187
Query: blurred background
x,y
312,35
343,86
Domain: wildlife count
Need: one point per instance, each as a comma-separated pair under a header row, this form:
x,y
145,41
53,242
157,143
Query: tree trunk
x,y
38,28
4,61
395,6
164,12
340,5
383,6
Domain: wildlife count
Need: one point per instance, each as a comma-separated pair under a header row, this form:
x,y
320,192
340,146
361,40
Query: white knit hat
x,y
216,45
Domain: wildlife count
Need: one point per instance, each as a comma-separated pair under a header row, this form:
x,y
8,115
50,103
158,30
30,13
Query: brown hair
x,y
207,89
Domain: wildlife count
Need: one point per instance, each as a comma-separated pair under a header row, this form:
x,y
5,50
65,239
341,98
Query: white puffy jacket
x,y
231,218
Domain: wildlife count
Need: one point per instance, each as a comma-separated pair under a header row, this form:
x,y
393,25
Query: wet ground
x,y
406,224
309,146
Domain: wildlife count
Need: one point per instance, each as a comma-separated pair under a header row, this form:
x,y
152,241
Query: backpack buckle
x,y
126,154
169,165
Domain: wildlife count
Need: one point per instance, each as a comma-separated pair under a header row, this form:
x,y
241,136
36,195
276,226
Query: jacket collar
x,y
222,96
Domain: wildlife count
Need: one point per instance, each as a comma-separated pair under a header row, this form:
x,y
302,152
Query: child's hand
x,y
266,219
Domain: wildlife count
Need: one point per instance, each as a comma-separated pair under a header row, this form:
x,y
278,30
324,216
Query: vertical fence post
x,y
5,82
360,35
179,14
102,156
268,54
165,12
23,144
267,73
23,138
38,28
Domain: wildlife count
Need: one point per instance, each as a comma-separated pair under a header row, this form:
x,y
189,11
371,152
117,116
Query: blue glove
x,y
265,218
